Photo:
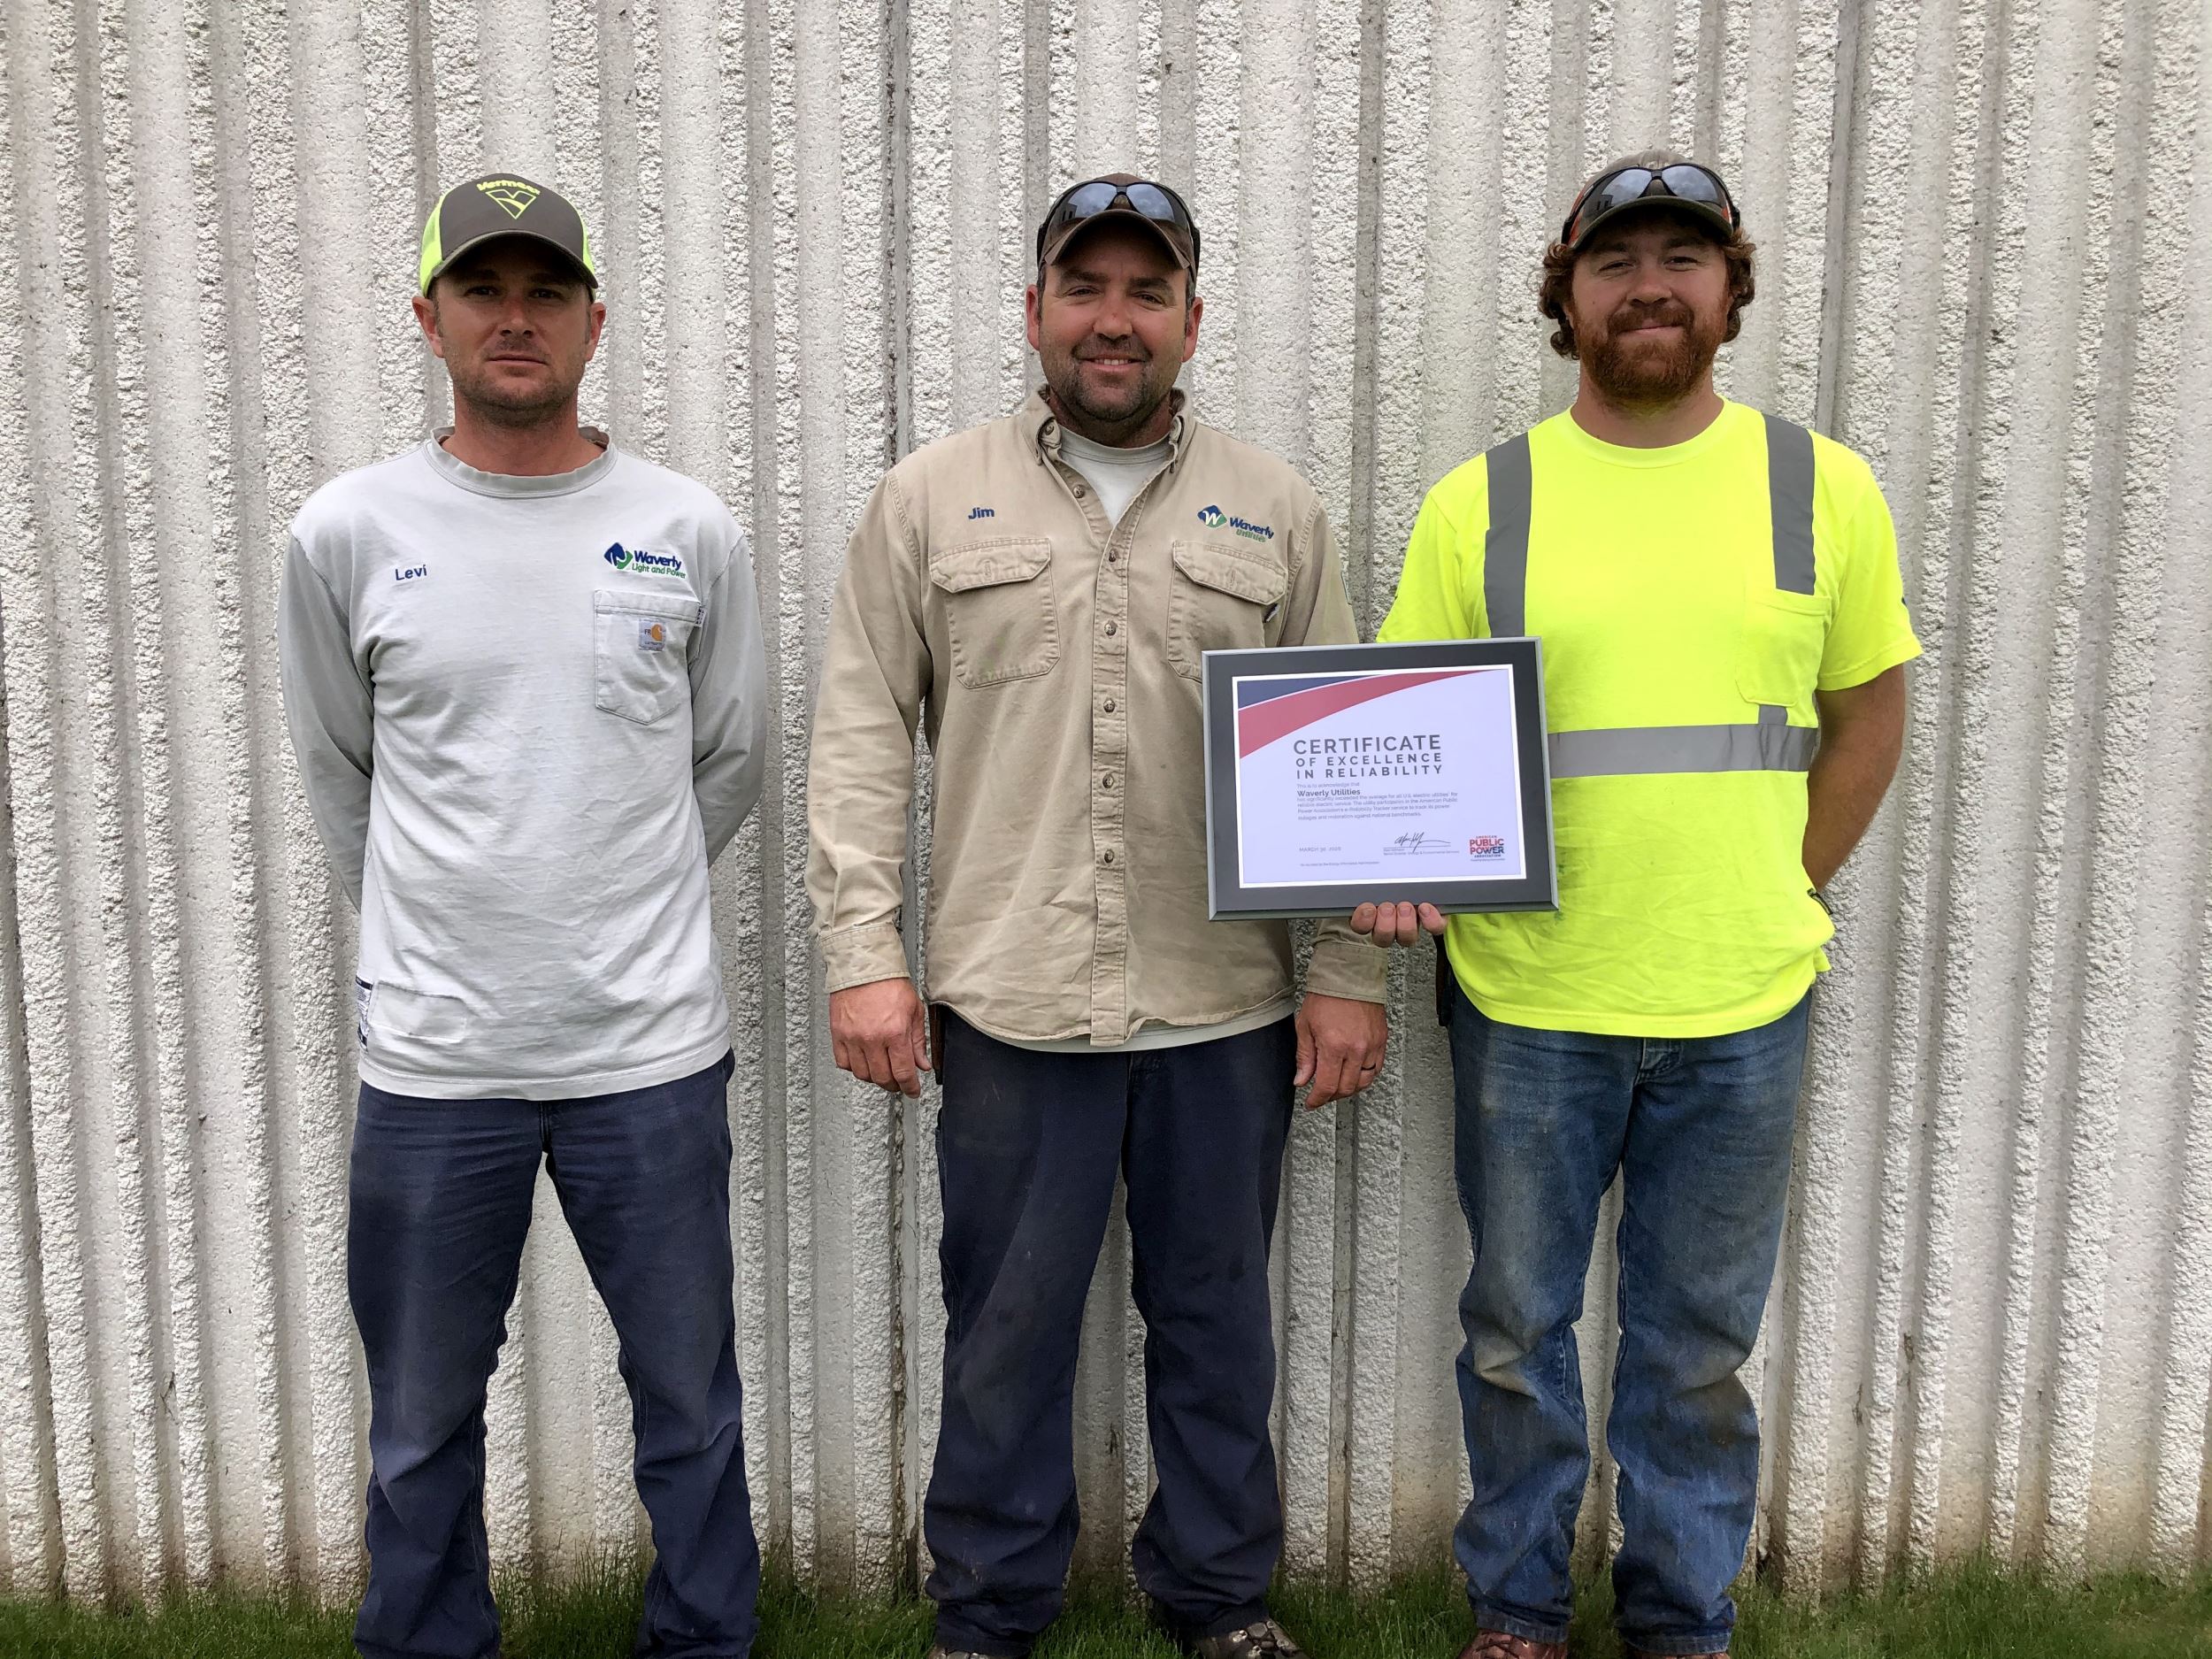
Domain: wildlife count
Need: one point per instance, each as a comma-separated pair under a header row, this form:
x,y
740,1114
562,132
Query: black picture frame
x,y
1229,900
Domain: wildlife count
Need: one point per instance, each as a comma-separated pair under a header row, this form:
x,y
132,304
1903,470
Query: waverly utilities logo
x,y
1213,518
644,564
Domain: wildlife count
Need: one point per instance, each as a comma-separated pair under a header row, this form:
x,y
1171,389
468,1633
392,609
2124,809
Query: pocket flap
x,y
989,564
628,602
1261,580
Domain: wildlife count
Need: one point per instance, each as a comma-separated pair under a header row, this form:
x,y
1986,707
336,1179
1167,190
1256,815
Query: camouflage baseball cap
x,y
472,214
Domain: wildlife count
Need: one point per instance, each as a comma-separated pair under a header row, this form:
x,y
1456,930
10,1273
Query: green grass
x,y
1972,1612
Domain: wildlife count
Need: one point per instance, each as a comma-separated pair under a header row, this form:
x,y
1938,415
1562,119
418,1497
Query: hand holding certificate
x,y
1339,774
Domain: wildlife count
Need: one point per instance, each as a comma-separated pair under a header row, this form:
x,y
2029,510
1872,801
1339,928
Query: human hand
x,y
1341,1047
1399,924
879,1033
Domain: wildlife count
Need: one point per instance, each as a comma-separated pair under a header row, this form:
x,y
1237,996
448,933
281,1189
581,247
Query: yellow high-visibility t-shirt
x,y
1652,579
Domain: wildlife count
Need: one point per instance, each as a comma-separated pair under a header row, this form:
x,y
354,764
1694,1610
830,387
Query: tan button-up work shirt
x,y
1054,661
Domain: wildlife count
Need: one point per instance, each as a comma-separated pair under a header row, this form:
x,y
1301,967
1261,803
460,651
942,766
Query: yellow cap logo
x,y
511,194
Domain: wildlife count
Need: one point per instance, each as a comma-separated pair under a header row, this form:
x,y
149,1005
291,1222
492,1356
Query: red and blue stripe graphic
x,y
1273,708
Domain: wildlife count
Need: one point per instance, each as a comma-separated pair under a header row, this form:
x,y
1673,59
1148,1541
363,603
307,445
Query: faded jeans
x,y
1700,1130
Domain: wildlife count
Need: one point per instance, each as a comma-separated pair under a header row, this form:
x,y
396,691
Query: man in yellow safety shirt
x,y
1724,634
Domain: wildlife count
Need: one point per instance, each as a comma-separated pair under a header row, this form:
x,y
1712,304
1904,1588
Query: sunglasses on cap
x,y
1696,188
1093,197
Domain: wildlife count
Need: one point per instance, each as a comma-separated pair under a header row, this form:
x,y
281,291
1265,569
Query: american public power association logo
x,y
643,564
1486,847
1212,517
512,193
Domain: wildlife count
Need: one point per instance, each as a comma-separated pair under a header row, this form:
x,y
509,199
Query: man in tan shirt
x,y
1036,593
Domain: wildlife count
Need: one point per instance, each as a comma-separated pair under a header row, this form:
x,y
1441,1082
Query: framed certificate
x,y
1337,774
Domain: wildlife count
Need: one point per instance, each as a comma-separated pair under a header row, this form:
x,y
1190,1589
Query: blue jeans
x,y
441,1194
1028,1145
1700,1130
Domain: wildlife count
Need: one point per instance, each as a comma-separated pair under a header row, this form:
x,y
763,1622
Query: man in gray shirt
x,y
524,677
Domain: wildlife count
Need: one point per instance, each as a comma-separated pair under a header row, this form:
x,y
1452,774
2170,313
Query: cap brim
x,y
503,234
1180,254
1704,211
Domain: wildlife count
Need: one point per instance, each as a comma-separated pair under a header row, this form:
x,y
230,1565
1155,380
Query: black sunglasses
x,y
1684,180
1093,197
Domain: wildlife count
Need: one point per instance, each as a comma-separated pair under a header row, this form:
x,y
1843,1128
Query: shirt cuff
x,y
1897,651
862,955
1348,964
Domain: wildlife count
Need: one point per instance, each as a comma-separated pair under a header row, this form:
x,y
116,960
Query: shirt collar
x,y
1043,426
517,486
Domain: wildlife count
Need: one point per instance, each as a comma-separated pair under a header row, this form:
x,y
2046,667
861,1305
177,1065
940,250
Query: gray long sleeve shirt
x,y
528,712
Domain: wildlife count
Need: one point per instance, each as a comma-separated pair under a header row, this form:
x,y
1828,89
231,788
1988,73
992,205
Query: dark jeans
x,y
1700,1130
1028,1145
441,1202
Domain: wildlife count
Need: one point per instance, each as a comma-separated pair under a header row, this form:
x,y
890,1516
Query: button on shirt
x,y
1052,657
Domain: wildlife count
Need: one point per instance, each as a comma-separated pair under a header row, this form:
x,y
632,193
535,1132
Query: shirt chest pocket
x,y
1785,636
1222,600
999,615
641,653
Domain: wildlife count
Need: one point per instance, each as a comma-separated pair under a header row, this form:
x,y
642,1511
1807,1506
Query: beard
x,y
517,408
1631,369
1112,411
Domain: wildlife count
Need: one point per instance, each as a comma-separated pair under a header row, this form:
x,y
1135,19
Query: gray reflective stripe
x,y
1619,751
1773,714
1790,501
1505,545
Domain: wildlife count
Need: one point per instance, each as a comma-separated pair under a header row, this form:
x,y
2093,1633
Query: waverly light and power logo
x,y
644,564
1214,518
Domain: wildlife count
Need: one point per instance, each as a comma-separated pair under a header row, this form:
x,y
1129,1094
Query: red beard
x,y
1632,368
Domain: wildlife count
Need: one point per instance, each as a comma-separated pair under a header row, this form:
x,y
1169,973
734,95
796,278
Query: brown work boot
x,y
1496,1644
1266,1639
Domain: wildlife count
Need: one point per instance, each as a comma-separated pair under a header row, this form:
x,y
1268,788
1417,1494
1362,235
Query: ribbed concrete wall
x,y
1985,224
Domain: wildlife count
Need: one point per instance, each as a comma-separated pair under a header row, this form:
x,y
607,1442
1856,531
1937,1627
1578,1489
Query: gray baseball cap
x,y
499,204
1656,180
